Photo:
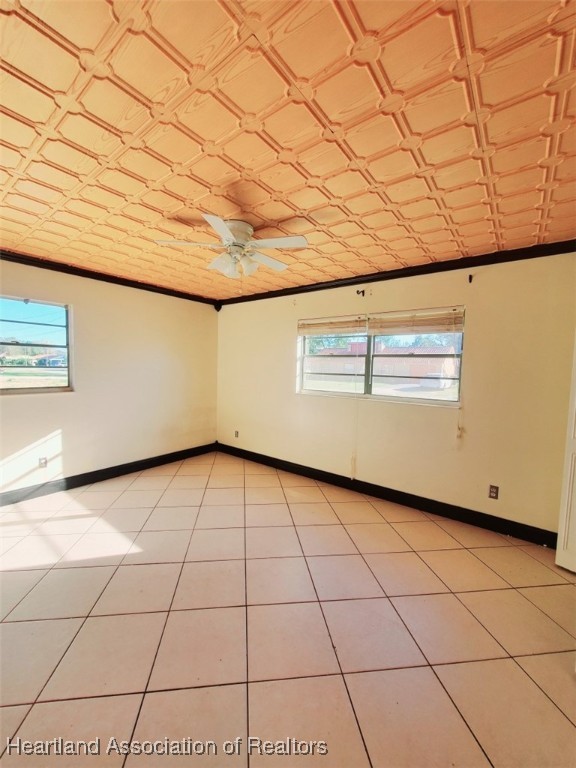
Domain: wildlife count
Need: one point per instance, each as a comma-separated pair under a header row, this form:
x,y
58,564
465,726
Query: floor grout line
x,y
342,675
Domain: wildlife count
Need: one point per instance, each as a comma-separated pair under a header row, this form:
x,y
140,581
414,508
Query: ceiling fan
x,y
240,256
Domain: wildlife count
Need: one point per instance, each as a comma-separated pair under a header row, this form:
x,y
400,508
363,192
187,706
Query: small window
x,y
414,355
34,346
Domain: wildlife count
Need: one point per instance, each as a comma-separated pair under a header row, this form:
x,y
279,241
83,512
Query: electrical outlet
x,y
236,433
43,462
493,491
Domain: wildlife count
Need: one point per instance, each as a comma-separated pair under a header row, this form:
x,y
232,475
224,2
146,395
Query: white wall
x,y
146,368
519,330
144,377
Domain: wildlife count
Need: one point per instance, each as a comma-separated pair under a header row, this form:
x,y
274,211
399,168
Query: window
x,y
34,343
416,355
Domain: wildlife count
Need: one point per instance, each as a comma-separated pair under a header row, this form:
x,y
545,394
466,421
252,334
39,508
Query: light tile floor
x,y
215,599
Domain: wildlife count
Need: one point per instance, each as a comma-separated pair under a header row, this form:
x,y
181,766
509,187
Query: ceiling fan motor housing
x,y
241,230
236,250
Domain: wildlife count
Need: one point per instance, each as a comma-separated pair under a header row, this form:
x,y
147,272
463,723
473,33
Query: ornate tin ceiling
x,y
391,133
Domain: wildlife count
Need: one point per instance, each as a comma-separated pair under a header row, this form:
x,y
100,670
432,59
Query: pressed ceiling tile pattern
x,y
414,133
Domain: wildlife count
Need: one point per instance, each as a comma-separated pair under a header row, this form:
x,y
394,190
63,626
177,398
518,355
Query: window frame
x,y
417,320
66,347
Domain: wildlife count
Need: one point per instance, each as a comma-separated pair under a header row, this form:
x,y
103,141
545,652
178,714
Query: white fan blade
x,y
268,262
220,227
188,242
294,241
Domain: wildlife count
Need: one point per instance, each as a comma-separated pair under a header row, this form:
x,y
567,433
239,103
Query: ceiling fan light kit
x,y
240,258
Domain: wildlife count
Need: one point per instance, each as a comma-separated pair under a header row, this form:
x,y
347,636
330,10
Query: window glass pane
x,y
334,363
29,377
343,383
423,343
337,365
335,345
427,389
32,311
419,367
28,333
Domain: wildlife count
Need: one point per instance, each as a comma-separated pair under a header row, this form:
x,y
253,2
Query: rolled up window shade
x,y
441,320
328,326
